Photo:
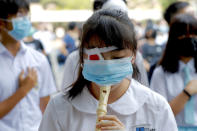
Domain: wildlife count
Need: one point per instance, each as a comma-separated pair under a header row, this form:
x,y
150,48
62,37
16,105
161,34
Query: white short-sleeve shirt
x,y
26,115
171,85
138,108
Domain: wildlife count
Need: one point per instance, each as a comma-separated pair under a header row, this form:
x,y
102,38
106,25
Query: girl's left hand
x,y
110,122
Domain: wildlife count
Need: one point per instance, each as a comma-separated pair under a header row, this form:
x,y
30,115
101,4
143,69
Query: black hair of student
x,y
151,33
11,7
72,25
181,42
173,9
111,28
98,4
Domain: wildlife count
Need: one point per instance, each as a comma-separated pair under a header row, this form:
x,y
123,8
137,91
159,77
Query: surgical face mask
x,y
107,72
21,27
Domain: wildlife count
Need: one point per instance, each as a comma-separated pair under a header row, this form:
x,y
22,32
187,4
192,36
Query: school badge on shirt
x,y
144,129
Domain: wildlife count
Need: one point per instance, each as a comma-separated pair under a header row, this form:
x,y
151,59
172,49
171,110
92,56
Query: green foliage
x,y
166,3
87,4
69,4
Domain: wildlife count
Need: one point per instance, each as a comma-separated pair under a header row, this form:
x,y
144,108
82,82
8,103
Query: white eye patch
x,y
95,53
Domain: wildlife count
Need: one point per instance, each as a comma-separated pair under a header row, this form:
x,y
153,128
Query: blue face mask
x,y
21,27
107,72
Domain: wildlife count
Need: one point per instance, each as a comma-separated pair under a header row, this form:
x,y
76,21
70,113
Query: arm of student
x,y
178,103
63,49
146,65
158,84
47,84
43,103
25,85
7,105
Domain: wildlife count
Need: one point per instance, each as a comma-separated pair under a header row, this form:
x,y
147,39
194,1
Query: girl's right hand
x,y
191,87
110,122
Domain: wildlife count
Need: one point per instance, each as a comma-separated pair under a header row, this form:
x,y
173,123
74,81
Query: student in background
x,y
69,42
174,9
26,81
175,78
150,50
34,43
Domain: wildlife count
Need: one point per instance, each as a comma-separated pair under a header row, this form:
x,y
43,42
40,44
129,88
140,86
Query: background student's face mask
x,y
21,27
107,72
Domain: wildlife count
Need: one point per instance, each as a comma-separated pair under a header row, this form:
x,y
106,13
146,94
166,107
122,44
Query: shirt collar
x,y
190,64
128,104
23,48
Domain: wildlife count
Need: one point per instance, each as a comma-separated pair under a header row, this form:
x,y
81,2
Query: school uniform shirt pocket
x,y
142,127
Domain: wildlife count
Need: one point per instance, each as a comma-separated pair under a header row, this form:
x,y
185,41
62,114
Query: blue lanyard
x,y
187,128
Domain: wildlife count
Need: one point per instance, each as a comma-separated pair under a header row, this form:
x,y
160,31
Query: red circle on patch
x,y
94,57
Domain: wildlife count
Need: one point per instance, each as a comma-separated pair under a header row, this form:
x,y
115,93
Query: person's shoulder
x,y
145,45
73,59
34,52
74,55
68,37
156,100
59,98
139,56
35,55
153,99
60,102
158,71
59,108
145,48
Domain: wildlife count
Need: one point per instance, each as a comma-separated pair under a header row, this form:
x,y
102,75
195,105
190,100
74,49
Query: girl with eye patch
x,y
107,56
175,78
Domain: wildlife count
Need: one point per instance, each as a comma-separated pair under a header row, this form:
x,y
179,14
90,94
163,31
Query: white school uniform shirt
x,y
72,65
138,108
26,115
171,85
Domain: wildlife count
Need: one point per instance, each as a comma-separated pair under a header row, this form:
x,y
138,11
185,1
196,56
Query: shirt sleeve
x,y
166,119
49,121
71,69
47,84
158,83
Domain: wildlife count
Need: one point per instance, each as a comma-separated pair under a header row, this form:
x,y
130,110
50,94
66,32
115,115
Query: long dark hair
x,y
181,42
109,27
